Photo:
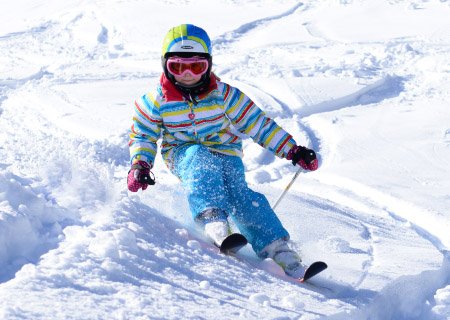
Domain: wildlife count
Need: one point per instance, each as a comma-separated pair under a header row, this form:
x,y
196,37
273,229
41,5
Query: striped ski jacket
x,y
217,121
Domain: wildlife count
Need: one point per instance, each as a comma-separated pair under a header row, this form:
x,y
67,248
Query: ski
x,y
236,241
314,269
233,243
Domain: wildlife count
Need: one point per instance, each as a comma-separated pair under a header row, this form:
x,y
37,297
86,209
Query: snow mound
x,y
31,223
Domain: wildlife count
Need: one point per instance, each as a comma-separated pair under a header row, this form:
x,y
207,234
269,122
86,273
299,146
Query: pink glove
x,y
139,176
304,157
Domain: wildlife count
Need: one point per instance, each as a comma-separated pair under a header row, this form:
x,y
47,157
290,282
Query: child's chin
x,y
189,83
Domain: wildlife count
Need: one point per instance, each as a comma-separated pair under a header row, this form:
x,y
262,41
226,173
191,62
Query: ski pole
x,y
287,188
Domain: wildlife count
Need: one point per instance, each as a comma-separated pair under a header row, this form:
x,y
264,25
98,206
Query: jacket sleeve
x,y
249,119
145,130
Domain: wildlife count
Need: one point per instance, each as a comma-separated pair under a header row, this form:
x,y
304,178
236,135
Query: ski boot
x,y
280,252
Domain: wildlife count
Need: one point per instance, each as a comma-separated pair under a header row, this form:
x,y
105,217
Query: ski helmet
x,y
187,40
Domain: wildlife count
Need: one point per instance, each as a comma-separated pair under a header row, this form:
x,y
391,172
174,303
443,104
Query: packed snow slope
x,y
365,83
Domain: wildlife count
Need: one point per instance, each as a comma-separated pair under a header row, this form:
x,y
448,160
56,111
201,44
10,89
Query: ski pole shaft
x,y
286,189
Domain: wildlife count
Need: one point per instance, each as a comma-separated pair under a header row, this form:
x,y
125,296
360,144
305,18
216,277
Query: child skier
x,y
195,114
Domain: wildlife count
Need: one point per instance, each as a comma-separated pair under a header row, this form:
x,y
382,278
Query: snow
x,y
365,83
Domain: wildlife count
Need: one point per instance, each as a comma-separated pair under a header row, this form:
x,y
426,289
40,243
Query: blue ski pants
x,y
217,181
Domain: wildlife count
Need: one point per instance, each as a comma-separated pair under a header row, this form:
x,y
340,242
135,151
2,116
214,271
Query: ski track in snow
x,y
386,88
222,42
139,256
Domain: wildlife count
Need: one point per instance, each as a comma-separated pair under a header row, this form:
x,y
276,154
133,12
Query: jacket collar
x,y
171,93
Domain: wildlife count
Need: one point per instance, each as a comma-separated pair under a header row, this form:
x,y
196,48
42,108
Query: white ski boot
x,y
217,231
286,258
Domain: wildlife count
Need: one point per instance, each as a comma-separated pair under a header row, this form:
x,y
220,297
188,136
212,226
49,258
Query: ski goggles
x,y
179,66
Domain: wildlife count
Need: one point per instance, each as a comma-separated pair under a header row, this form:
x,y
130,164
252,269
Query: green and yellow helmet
x,y
187,40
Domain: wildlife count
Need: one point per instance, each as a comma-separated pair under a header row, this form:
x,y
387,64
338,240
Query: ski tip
x,y
313,269
233,243
321,264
